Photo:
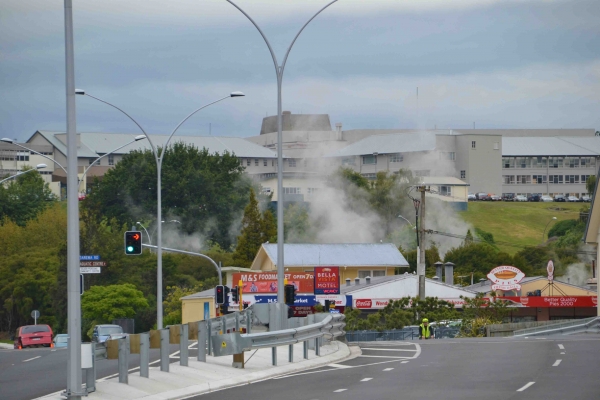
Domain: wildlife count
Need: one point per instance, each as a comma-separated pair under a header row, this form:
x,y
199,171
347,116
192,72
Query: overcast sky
x,y
498,64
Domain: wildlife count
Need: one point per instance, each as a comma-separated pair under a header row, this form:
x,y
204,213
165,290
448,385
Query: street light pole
x,y
144,228
159,159
39,166
279,72
544,234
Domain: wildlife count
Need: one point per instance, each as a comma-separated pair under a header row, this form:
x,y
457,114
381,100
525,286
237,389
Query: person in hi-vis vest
x,y
425,332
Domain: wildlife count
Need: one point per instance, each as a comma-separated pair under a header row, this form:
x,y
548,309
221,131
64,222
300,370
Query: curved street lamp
x,y
39,166
544,234
279,72
159,159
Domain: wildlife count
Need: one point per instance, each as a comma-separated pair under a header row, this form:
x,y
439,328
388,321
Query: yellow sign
x,y
223,344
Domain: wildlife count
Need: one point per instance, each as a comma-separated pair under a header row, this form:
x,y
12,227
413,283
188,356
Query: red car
x,y
33,336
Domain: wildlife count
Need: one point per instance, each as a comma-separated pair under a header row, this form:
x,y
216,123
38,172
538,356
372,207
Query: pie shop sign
x,y
327,280
506,277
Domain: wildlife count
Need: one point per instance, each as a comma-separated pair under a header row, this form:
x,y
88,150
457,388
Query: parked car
x,y
586,198
572,199
482,196
508,196
471,197
102,333
61,340
520,198
547,199
495,197
560,198
33,336
534,197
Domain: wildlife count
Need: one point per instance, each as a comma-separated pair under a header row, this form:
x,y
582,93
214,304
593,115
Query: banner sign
x,y
92,263
266,282
370,304
340,299
506,277
95,257
554,301
327,280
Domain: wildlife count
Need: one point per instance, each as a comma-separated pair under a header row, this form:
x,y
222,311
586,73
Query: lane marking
x,y
562,352
339,390
396,357
388,369
560,346
556,363
31,358
368,348
403,362
525,387
366,379
339,366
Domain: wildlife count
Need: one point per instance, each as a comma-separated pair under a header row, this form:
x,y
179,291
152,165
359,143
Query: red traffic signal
x,y
220,294
133,243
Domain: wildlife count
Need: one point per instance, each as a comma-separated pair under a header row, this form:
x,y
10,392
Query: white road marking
x,y
369,348
562,352
525,387
370,356
403,362
556,363
339,390
388,369
339,366
560,346
366,379
31,359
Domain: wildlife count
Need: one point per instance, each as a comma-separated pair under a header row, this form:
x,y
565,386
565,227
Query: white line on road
x,y
388,369
560,346
562,352
31,359
339,390
366,379
556,363
339,366
367,355
403,362
525,387
370,348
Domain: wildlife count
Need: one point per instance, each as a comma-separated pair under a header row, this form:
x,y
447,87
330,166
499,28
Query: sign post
x,y
35,314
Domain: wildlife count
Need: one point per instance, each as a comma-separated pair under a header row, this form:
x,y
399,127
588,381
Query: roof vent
x,y
357,281
368,278
347,281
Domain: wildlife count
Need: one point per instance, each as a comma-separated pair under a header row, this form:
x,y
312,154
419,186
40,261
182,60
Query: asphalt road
x,y
30,373
487,368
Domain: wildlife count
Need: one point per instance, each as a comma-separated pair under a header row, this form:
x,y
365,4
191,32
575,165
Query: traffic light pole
x,y
191,253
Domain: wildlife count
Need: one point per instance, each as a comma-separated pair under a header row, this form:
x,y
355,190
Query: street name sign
x,y
89,270
90,258
92,263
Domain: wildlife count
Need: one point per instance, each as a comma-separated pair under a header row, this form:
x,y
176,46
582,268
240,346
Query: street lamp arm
x,y
261,33
107,154
144,228
35,152
185,119
193,254
299,32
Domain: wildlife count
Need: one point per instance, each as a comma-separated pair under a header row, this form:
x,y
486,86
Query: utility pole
x,y
421,262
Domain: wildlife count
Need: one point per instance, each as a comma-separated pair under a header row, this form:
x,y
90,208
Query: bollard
x,y
183,346
164,350
202,331
90,373
318,346
274,355
124,360
305,348
291,353
145,355
209,334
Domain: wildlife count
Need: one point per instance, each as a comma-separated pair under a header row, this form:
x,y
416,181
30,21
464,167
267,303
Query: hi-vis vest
x,y
425,330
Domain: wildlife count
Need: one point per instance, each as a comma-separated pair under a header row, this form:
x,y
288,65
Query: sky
x,y
488,63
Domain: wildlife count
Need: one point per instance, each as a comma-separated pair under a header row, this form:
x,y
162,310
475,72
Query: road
x,y
30,373
449,369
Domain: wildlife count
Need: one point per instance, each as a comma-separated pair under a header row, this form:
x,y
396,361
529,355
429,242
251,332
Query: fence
x,y
568,327
376,336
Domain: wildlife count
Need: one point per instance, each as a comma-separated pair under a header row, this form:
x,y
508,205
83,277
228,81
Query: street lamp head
x,y
40,166
7,140
553,217
140,137
237,94
80,92
138,223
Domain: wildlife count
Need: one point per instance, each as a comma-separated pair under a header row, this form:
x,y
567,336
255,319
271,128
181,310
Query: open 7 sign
x,y
327,280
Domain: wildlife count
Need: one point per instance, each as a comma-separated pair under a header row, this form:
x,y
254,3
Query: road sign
x,y
92,263
89,270
90,258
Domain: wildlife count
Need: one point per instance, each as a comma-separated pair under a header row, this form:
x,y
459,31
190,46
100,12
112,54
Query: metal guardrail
x,y
569,327
409,334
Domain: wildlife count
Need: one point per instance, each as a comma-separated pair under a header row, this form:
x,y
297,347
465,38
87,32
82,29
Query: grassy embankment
x,y
518,222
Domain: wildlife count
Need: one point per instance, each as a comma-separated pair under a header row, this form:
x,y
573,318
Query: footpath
x,y
214,374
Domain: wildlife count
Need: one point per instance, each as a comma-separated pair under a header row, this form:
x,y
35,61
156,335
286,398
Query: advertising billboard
x,y
266,282
327,280
506,277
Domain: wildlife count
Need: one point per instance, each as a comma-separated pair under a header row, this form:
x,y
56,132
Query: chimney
x,y
347,281
368,278
449,273
356,281
482,282
338,131
438,269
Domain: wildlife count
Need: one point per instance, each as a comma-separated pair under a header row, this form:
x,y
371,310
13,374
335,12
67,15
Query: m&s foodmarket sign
x,y
327,280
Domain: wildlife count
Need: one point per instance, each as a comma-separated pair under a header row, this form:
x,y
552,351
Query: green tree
x,y
269,227
479,312
590,184
468,238
24,198
251,237
297,225
562,227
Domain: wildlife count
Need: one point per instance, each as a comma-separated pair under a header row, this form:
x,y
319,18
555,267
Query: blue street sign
x,y
89,258
334,311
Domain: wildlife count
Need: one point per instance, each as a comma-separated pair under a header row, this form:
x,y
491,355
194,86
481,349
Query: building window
x,y
538,162
91,161
396,157
248,162
508,162
555,179
473,144
369,176
378,273
540,179
508,179
371,159
555,162
463,174
522,162
584,178
449,155
312,190
523,179
111,159
264,162
588,162
571,178
292,163
446,190
364,274
348,161
266,190
256,162
291,190
23,156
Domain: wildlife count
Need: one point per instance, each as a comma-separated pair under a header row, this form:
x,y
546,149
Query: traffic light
x,y
290,294
220,294
290,312
224,309
133,243
235,295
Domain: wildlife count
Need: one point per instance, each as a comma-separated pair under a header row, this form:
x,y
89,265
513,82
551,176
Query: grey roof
x,y
93,144
487,284
349,255
389,143
551,146
378,280
200,295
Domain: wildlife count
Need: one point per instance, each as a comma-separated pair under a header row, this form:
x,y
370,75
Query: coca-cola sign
x,y
363,303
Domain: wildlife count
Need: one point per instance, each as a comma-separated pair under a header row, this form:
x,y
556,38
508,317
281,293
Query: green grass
x,y
7,341
519,223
